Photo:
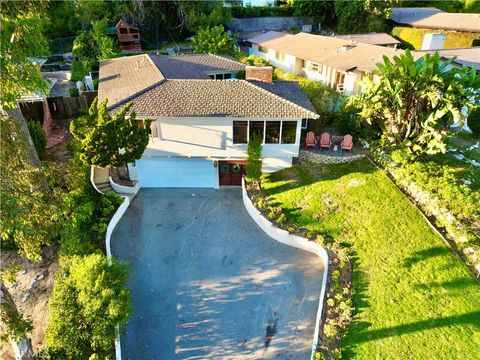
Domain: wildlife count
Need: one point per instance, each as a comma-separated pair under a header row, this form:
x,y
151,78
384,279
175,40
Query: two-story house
x,y
203,116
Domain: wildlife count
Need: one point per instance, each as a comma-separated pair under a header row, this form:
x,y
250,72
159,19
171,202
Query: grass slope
x,y
414,297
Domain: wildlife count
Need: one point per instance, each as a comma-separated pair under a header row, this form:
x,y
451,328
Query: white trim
x,y
124,189
111,226
296,241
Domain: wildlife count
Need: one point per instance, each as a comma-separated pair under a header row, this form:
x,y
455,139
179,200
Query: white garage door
x,y
176,173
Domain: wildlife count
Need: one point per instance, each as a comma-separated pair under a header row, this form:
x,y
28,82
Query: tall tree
x,y
110,140
414,102
214,41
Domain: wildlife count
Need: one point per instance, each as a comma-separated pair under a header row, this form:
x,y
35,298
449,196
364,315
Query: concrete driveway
x,y
207,282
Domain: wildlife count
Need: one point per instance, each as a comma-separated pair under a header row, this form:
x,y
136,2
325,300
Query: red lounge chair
x,y
347,142
310,140
325,141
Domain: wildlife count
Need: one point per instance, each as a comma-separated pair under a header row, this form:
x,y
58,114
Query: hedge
x,y
412,38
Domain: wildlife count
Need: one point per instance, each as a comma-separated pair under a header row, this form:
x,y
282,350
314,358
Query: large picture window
x,y
240,131
256,128
272,134
289,132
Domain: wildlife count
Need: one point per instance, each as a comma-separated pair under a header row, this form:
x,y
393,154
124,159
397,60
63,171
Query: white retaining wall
x,y
111,226
292,240
124,189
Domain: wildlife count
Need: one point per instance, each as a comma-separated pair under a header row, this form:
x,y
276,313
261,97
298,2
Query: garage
x,y
156,172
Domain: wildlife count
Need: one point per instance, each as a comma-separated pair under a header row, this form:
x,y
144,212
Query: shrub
x,y
310,234
39,137
254,158
320,239
73,92
412,38
89,300
281,219
330,330
78,71
261,11
473,121
291,229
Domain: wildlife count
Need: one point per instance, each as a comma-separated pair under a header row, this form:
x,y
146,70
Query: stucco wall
x,y
210,138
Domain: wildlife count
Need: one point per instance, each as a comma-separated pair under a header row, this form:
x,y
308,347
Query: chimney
x,y
433,41
259,73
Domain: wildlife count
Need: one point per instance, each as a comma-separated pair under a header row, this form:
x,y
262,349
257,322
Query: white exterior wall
x,y
350,84
246,3
212,138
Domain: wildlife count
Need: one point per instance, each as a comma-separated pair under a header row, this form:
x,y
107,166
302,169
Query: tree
x,y
89,303
39,137
362,16
109,141
214,41
196,15
414,102
322,10
254,158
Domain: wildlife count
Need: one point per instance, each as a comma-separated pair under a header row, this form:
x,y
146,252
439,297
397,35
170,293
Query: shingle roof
x,y
194,66
465,56
267,36
432,18
331,51
215,98
125,76
372,38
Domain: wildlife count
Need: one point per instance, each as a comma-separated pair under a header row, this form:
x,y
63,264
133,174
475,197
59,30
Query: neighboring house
x,y
381,39
433,18
201,126
463,56
127,35
339,63
247,3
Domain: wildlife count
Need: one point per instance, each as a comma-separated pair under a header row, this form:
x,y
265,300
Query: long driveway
x,y
207,282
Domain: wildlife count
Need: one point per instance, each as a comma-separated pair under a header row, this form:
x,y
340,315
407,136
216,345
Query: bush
x,y
254,158
282,219
74,92
412,38
78,71
39,137
89,300
473,122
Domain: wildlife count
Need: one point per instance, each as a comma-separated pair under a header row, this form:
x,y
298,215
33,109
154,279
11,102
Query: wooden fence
x,y
62,107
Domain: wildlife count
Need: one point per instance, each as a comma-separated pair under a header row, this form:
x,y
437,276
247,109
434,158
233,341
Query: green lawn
x,y
415,298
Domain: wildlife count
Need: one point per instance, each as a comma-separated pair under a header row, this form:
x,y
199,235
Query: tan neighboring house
x,y
433,18
203,116
340,64
463,56
381,39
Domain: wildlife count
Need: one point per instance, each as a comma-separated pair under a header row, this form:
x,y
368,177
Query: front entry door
x,y
230,172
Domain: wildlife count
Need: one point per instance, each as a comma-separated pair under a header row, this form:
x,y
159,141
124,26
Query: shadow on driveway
x,y
207,282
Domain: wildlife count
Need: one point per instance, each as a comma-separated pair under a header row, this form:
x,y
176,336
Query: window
x,y
153,129
257,128
289,132
304,63
316,67
304,123
227,76
123,31
240,132
272,134
140,123
279,56
262,49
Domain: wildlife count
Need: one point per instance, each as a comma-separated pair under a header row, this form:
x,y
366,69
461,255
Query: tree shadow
x,y
425,254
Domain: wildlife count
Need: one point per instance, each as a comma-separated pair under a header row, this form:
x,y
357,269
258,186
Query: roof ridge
x,y
315,115
155,66
137,94
225,58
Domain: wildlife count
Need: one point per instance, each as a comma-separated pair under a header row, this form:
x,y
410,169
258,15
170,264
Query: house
x,y
203,116
435,19
248,3
127,35
381,39
469,57
340,64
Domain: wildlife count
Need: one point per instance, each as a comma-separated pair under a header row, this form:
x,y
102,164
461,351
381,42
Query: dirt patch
x,y
31,293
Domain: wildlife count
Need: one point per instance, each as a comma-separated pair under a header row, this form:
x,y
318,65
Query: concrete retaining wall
x,y
111,226
249,25
292,240
124,189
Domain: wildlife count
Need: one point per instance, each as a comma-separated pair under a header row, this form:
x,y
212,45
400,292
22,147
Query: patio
x,y
334,154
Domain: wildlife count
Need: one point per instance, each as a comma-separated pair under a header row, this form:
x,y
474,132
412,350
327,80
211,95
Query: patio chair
x,y
310,140
325,141
347,142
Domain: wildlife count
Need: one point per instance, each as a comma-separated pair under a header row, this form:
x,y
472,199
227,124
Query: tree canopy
x,y
107,140
214,41
414,102
88,302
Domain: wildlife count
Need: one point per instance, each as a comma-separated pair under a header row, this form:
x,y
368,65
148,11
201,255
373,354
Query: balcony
x,y
128,37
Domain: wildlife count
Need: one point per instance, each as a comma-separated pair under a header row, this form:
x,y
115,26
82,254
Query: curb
x,y
296,241
111,226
